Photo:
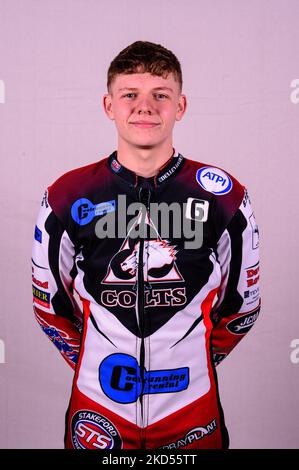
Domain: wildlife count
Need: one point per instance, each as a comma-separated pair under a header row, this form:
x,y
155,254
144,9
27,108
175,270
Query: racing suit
x,y
141,317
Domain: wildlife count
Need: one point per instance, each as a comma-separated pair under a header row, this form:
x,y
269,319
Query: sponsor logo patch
x,y
169,172
91,430
116,166
252,275
251,295
242,324
41,297
45,200
197,209
214,180
38,234
83,210
122,380
193,435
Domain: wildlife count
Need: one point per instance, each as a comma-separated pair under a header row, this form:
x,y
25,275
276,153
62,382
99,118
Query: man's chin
x,y
144,145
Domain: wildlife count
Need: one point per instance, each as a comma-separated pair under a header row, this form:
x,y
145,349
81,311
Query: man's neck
x,y
144,162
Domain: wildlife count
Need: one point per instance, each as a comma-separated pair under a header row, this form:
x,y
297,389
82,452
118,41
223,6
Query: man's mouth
x,y
144,124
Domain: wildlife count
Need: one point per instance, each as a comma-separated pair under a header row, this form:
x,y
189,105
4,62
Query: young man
x,y
144,303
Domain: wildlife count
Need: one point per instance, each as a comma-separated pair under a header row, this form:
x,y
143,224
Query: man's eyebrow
x,y
156,88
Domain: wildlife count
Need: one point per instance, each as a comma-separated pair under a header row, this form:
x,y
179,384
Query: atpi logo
x,y
93,431
214,180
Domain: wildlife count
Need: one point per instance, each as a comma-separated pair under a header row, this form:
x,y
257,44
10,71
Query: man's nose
x,y
144,105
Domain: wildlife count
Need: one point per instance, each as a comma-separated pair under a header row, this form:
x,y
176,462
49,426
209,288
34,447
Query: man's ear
x,y
182,106
107,105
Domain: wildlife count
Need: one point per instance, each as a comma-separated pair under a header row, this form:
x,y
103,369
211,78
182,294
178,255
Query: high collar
x,y
166,171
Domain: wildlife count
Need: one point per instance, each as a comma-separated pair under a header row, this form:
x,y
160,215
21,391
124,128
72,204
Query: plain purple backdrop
x,y
239,59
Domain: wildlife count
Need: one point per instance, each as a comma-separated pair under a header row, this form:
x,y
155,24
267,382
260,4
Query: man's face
x,y
145,108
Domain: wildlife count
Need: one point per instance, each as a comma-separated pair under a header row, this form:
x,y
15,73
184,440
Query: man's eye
x,y
129,94
159,95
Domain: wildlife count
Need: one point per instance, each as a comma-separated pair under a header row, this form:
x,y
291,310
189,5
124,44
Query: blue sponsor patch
x,y
83,210
214,180
38,234
121,379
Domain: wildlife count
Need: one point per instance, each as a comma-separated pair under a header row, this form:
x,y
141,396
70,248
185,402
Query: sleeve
x,y
55,306
237,303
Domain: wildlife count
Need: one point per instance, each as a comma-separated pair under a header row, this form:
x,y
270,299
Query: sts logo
x,y
93,431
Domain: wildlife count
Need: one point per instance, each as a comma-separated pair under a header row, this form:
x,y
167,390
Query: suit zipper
x,y
144,196
141,328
